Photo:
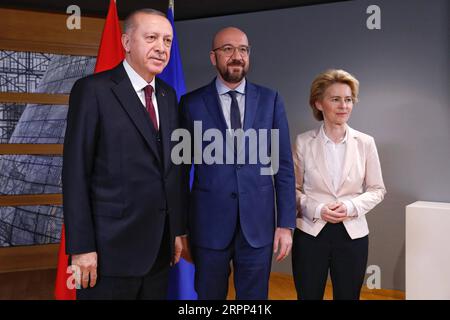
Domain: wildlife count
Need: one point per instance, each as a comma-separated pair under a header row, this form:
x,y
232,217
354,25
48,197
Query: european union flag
x,y
181,279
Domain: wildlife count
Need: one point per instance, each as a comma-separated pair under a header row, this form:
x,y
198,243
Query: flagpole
x,y
172,7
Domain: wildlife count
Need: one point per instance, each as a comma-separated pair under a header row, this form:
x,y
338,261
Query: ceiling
x,y
184,9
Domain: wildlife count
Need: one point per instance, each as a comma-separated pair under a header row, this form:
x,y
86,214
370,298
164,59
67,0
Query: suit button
x,y
233,195
239,166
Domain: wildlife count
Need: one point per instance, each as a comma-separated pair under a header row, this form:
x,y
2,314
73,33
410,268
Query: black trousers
x,y
331,251
151,286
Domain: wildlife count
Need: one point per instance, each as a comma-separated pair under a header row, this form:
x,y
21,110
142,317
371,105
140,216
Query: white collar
x,y
136,80
222,88
327,140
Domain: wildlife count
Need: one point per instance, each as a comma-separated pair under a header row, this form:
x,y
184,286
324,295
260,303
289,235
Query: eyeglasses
x,y
228,50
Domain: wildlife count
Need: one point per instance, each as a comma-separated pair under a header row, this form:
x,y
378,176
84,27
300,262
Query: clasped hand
x,y
334,212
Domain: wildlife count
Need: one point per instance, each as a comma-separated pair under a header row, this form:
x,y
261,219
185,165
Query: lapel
x,y
319,157
214,107
131,103
164,121
251,105
350,156
212,102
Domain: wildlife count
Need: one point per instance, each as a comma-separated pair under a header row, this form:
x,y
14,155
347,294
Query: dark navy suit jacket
x,y
222,192
119,185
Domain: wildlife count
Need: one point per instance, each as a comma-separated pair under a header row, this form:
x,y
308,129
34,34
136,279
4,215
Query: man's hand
x,y
334,212
178,250
87,264
282,242
186,253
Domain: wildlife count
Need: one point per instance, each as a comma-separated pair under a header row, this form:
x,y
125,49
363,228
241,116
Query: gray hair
x,y
129,23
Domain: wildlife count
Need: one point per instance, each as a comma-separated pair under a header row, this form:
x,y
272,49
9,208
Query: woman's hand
x,y
334,212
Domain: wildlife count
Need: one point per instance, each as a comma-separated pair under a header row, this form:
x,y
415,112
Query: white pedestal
x,y
428,250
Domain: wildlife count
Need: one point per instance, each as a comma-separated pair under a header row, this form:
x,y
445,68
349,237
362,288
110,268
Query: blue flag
x,y
181,278
173,72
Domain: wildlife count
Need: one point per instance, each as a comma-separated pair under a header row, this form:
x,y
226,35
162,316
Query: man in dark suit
x,y
123,197
232,205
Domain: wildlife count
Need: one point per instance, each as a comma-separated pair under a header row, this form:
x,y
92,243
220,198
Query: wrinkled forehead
x,y
152,23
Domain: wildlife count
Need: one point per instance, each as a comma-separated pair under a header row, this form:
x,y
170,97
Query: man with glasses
x,y
232,206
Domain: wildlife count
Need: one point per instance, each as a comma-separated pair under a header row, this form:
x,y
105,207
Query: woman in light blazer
x,y
338,181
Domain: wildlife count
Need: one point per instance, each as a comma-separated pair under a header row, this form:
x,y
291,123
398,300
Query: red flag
x,y
110,54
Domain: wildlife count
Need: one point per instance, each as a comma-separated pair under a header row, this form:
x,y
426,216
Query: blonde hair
x,y
326,79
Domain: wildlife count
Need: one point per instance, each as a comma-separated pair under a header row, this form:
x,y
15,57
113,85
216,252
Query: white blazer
x,y
361,182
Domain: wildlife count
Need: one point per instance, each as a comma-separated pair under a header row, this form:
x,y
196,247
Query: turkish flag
x,y
110,54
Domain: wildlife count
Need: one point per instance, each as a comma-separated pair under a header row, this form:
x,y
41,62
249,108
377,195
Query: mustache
x,y
161,56
236,63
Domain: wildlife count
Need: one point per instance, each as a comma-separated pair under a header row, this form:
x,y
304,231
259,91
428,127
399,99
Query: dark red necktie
x,y
148,90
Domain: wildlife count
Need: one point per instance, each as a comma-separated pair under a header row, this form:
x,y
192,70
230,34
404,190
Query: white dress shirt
x,y
334,157
139,84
